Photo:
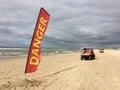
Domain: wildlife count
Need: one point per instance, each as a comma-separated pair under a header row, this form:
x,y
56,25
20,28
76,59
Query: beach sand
x,y
63,72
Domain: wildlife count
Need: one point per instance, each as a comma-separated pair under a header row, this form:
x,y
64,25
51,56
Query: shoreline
x,y
42,54
12,58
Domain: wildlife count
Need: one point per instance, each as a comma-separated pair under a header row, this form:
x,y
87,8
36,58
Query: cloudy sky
x,y
73,23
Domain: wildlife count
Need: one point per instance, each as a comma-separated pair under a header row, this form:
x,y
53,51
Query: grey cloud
x,y
72,24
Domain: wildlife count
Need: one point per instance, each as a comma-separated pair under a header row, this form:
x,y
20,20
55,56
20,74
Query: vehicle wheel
x,y
90,57
94,57
81,58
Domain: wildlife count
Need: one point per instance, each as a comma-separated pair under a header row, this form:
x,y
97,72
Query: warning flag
x,y
34,55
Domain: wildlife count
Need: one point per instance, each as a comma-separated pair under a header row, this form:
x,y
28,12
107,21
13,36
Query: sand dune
x,y
63,72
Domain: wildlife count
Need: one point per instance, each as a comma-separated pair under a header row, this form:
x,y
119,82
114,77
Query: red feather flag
x,y
34,55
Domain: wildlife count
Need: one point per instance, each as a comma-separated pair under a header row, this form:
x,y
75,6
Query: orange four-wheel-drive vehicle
x,y
87,54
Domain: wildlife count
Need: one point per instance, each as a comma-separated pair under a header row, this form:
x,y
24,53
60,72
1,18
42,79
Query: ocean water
x,y
13,52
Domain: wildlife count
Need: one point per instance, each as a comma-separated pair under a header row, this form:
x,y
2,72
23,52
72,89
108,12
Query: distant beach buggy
x,y
87,54
101,51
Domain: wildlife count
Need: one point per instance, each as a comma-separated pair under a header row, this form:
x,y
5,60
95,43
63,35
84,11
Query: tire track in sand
x,y
26,84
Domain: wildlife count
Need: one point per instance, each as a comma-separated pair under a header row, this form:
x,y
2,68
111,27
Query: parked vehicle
x,y
87,54
101,51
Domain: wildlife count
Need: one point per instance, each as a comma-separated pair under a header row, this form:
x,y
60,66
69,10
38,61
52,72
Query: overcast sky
x,y
73,23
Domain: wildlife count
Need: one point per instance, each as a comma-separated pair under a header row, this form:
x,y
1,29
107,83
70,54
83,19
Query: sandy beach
x,y
63,72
